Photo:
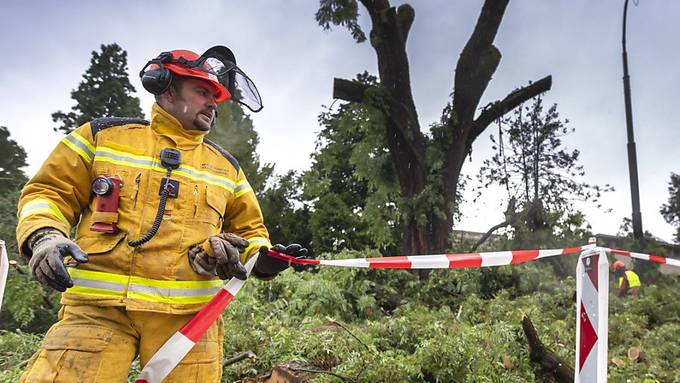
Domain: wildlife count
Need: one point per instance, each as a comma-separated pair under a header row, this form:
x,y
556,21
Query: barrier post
x,y
592,304
4,270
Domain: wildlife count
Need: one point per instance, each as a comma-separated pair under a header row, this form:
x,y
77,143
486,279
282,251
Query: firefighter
x,y
161,216
629,281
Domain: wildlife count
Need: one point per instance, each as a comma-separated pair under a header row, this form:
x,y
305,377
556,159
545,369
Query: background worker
x,y
629,281
161,217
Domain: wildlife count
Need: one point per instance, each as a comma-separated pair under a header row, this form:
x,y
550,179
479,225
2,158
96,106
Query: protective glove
x,y
268,267
50,247
220,255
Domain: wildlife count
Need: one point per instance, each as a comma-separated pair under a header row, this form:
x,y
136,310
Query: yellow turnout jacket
x,y
214,196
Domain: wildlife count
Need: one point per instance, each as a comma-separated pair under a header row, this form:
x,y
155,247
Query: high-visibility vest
x,y
633,279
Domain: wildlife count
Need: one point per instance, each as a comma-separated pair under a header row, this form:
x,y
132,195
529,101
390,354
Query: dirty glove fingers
x,y
205,261
238,270
223,272
234,263
204,264
74,251
236,241
228,271
46,276
55,261
195,250
219,249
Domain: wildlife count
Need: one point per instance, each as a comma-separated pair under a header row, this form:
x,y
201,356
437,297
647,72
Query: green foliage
x,y
453,336
340,13
351,186
234,132
537,167
541,179
26,305
8,218
104,92
671,210
286,218
16,347
12,160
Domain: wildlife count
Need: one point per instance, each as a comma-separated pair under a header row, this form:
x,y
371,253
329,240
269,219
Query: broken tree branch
x,y
238,358
538,353
347,90
487,235
512,100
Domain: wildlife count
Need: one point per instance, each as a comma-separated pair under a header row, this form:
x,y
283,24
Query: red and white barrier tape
x,y
4,270
172,352
175,349
439,261
646,257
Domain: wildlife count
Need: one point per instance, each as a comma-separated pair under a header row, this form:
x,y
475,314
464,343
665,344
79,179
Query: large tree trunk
x,y
407,144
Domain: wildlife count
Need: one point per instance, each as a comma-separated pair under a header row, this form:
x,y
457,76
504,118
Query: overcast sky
x,y
47,47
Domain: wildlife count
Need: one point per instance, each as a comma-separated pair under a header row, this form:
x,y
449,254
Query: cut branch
x,y
538,353
347,90
238,358
487,235
511,101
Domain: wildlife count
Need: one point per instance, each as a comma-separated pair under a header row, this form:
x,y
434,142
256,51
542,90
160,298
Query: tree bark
x,y
538,353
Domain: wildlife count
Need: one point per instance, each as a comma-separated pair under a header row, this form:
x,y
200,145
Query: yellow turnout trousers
x,y
98,344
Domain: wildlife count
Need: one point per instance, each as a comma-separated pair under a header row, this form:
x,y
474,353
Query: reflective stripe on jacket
x,y
633,279
214,195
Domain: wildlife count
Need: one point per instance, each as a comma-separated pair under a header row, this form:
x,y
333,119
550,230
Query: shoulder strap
x,y
107,122
225,153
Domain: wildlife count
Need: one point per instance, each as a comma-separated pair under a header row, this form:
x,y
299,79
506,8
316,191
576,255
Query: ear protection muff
x,y
157,79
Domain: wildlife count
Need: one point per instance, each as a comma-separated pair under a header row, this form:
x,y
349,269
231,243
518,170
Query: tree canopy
x,y
427,166
671,209
105,91
13,158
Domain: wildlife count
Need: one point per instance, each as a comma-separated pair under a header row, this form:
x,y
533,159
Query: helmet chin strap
x,y
214,120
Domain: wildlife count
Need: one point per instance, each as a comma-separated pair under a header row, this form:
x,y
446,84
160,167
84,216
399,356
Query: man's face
x,y
192,102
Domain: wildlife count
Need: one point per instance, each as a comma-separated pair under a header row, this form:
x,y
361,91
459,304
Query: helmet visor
x,y
220,62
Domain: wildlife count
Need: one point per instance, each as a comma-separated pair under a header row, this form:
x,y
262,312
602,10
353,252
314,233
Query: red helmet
x,y
618,265
156,75
204,72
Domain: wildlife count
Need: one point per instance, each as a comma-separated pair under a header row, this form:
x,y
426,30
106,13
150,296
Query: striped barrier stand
x,y
4,270
175,349
592,302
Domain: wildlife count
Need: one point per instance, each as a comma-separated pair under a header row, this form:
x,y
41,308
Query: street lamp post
x,y
632,156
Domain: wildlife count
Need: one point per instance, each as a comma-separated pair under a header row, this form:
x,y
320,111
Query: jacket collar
x,y
165,124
